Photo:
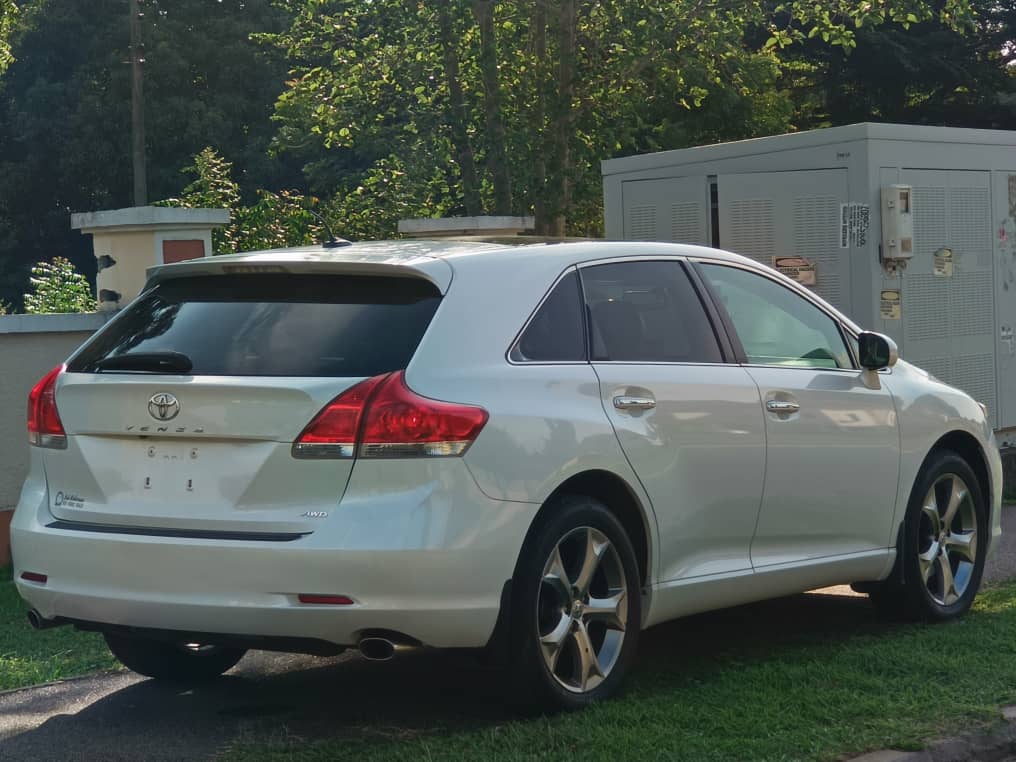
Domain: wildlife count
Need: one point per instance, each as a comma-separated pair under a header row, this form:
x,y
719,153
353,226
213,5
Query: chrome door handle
x,y
782,406
634,403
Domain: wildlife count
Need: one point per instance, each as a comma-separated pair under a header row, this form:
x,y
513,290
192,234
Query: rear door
x,y
689,422
209,447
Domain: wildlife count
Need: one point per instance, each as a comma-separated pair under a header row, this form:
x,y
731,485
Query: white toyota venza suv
x,y
541,450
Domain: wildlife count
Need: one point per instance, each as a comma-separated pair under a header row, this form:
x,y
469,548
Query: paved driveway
x,y
119,716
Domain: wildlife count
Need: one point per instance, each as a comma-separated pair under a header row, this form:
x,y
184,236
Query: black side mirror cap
x,y
876,351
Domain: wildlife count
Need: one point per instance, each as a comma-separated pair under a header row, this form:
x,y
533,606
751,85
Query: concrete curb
x,y
996,745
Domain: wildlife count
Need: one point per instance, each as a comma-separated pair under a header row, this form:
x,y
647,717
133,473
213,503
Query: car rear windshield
x,y
272,325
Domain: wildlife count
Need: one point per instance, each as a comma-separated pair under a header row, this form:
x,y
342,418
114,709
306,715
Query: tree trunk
x,y
538,125
497,156
458,115
559,186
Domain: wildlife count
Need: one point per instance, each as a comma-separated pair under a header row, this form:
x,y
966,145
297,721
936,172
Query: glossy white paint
x,y
425,546
832,468
928,409
705,430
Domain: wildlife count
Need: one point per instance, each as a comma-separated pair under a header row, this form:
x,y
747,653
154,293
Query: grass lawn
x,y
740,685
28,657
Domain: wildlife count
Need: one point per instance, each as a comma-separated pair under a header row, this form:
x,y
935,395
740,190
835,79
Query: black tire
x,y
562,526
917,598
172,662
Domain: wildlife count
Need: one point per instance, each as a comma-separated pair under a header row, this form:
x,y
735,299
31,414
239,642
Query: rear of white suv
x,y
239,454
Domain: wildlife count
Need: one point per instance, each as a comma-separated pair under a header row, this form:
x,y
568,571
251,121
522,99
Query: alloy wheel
x,y
947,539
582,609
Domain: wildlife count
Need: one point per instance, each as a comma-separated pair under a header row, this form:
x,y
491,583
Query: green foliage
x,y
9,12
58,287
65,114
921,72
576,83
274,220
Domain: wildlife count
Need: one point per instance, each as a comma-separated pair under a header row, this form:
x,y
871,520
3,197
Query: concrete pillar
x,y
127,242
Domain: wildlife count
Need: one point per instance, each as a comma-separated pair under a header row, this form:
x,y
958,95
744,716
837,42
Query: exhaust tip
x,y
39,622
377,649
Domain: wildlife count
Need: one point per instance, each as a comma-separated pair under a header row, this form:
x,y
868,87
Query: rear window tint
x,y
274,325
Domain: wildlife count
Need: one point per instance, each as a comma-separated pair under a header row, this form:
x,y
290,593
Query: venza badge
x,y
164,406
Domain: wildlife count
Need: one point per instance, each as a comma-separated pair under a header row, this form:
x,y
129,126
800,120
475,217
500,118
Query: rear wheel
x,y
174,662
576,609
944,544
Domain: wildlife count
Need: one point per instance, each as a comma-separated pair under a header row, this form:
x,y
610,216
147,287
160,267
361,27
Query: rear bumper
x,y
422,553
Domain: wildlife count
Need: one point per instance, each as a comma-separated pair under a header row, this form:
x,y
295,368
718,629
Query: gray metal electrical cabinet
x,y
909,230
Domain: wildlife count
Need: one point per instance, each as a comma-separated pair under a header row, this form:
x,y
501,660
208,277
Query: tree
x,y
58,287
65,115
274,220
8,19
535,92
924,73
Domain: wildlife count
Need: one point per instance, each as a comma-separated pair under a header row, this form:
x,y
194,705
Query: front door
x,y
832,443
689,422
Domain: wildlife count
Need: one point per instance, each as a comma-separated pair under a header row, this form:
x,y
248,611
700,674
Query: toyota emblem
x,y
163,406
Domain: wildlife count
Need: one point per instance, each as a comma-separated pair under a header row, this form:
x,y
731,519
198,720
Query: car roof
x,y
436,260
407,253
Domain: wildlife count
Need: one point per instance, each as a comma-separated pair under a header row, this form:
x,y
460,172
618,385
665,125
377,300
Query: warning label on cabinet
x,y
890,306
943,265
800,269
854,222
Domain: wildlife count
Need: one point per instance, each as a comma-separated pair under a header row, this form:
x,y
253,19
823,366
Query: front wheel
x,y
173,662
576,609
945,541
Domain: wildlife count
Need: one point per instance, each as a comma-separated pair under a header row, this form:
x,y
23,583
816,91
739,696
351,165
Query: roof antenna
x,y
332,242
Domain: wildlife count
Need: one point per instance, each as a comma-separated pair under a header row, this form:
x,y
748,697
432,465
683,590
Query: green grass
x,y
799,679
28,657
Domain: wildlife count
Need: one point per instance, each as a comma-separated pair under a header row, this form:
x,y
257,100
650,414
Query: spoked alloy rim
x,y
947,539
582,610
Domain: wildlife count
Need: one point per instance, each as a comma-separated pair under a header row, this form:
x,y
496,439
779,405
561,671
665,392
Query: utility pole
x,y
138,104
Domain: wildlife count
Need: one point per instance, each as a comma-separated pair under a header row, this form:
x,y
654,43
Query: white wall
x,y
30,345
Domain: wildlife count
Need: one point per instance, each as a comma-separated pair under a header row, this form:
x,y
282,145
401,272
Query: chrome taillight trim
x,y
323,450
48,441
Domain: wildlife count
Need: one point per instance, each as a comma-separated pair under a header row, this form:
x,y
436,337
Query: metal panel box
x,y
949,300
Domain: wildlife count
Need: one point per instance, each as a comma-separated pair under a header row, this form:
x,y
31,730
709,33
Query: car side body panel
x,y
929,410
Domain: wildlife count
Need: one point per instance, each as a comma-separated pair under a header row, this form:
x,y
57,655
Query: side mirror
x,y
876,351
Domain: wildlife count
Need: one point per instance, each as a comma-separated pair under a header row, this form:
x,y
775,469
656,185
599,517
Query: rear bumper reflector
x,y
190,534
325,600
28,576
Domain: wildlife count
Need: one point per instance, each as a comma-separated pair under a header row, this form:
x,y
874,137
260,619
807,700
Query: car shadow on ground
x,y
298,698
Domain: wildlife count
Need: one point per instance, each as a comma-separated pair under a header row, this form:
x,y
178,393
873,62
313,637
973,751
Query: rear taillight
x,y
44,426
333,432
383,418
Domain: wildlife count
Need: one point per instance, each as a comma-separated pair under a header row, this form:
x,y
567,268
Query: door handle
x,y
625,402
782,406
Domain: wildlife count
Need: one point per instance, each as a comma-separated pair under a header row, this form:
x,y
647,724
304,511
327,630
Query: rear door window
x,y
274,325
556,332
647,312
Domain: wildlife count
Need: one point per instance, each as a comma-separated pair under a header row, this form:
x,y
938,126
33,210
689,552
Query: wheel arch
x,y
967,447
620,499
